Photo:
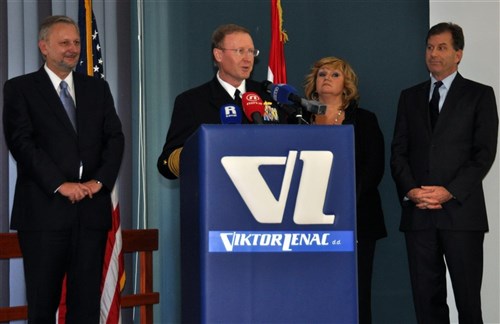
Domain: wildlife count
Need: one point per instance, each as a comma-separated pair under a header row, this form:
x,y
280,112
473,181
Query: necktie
x,y
68,102
237,97
434,103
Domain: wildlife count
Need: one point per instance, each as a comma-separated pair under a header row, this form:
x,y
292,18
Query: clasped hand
x,y
429,197
76,191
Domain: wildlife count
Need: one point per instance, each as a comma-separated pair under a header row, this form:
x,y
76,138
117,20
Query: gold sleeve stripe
x,y
174,161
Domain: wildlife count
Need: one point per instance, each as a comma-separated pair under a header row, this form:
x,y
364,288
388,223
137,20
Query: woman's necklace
x,y
339,114
329,119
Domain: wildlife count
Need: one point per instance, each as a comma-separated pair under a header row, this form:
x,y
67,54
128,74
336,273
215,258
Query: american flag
x,y
113,273
277,68
89,37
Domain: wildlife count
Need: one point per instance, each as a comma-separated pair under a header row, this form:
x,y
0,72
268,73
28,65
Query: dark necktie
x,y
68,103
434,103
237,97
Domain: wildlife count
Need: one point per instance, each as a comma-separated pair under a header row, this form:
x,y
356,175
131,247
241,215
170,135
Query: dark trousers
x,y
50,255
463,252
366,253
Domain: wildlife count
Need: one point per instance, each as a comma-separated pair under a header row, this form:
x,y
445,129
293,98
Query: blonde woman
x,y
333,82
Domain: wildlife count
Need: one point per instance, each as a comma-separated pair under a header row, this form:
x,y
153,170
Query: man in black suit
x,y
66,170
233,52
443,146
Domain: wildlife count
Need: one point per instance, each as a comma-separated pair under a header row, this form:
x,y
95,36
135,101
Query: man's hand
x,y
74,191
429,197
94,185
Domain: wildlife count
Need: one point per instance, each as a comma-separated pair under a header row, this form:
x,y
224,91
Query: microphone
x,y
230,114
286,94
253,107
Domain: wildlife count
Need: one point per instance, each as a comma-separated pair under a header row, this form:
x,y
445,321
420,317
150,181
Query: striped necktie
x,y
68,103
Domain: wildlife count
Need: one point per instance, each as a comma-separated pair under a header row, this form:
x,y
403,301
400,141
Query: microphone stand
x,y
299,115
300,118
294,110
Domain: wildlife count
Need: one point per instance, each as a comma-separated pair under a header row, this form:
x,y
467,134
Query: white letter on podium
x,y
244,172
312,189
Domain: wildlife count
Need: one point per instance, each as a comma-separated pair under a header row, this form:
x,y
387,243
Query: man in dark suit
x,y
66,170
234,53
444,144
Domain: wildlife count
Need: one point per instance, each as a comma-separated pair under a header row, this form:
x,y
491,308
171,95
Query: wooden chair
x,y
143,242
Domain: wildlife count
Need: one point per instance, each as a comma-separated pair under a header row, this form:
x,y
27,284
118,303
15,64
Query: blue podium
x,y
268,225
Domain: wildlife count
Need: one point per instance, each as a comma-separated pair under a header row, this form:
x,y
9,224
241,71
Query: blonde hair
x,y
350,78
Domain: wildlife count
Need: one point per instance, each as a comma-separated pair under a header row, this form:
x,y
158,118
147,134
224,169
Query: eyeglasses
x,y
242,51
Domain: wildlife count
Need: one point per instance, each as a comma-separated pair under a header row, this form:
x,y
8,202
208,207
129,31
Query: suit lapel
x,y
219,95
423,105
54,104
451,102
81,95
452,98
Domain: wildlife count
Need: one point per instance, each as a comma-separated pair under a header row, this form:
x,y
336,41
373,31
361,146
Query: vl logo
x,y
265,208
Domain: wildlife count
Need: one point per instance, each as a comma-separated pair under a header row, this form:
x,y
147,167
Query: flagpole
x,y
141,196
88,38
142,204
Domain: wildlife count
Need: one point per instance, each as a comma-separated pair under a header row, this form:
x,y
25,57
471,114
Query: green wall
x,y
383,40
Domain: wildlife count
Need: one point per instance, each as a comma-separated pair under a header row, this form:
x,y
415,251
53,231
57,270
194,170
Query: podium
x,y
268,223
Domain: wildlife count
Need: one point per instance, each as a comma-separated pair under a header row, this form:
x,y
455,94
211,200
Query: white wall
x,y
481,63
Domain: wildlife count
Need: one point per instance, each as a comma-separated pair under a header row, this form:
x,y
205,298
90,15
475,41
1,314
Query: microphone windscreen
x,y
230,114
267,86
252,103
282,92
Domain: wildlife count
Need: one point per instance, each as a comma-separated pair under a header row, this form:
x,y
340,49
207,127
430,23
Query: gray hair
x,y
50,21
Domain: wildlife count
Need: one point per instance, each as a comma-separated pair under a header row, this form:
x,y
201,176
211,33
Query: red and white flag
x,y
113,272
277,68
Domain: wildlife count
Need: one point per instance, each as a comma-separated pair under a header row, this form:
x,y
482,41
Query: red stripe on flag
x,y
61,311
277,66
113,271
